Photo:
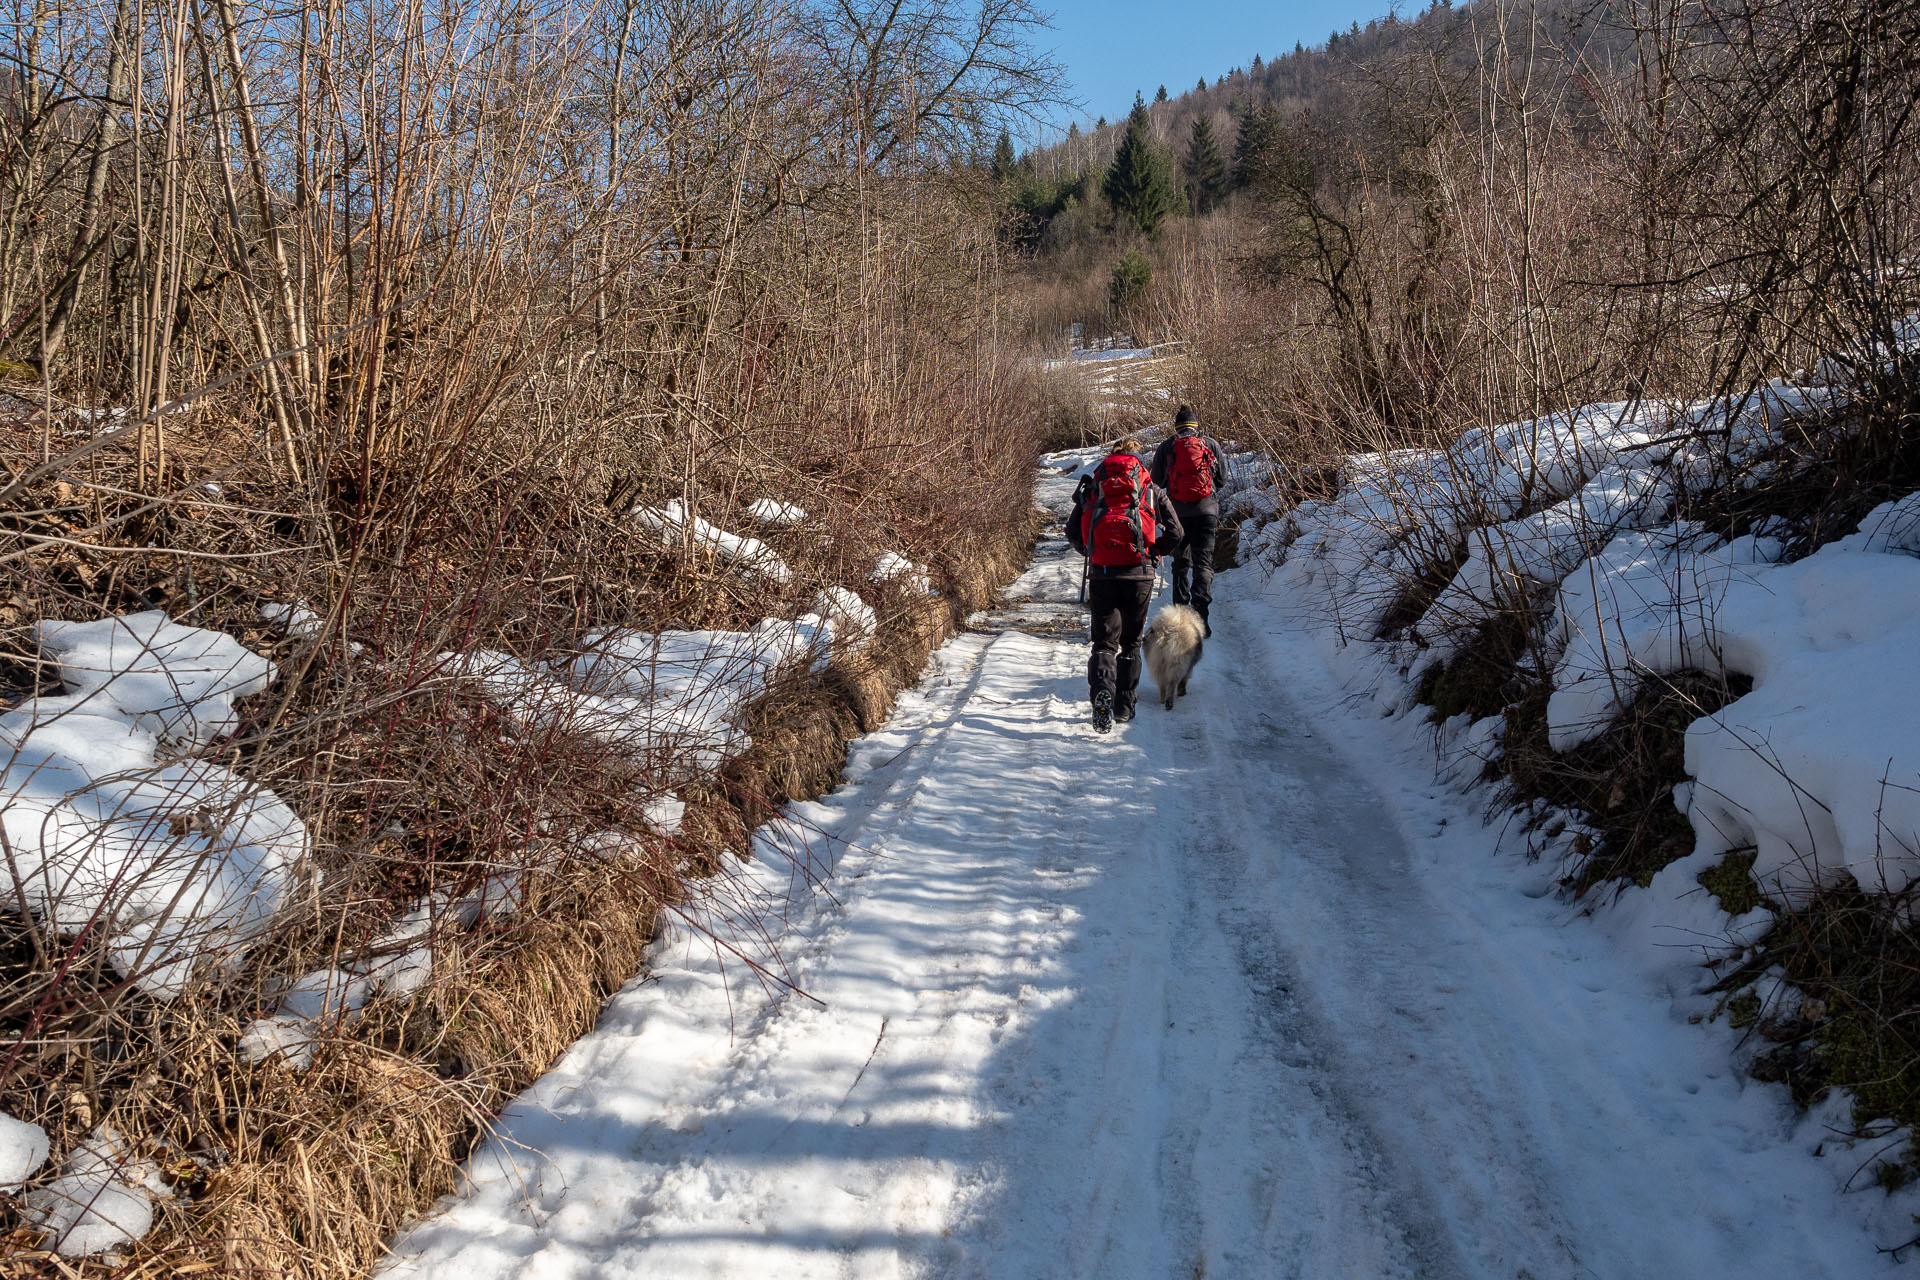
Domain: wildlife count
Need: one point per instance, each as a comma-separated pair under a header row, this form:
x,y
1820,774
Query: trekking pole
x,y
1081,492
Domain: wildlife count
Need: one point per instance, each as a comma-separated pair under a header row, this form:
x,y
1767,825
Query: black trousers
x,y
1119,616
1194,560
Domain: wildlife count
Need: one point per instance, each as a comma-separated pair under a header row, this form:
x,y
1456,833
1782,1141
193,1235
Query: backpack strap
x,y
1136,520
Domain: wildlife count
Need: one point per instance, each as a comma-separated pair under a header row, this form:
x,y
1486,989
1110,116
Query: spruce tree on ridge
x,y
1259,132
1206,170
1003,159
1140,182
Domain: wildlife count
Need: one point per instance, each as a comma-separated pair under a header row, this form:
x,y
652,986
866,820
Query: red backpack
x,y
1190,478
1117,523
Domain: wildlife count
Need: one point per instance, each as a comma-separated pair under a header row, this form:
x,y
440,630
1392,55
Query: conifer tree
x,y
1206,170
1202,86
1140,182
1131,276
1259,131
1003,160
1161,96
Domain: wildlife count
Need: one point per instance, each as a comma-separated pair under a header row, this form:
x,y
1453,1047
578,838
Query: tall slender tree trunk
x,y
87,239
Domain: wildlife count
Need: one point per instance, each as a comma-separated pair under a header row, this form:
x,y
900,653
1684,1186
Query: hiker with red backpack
x,y
1192,468
1121,524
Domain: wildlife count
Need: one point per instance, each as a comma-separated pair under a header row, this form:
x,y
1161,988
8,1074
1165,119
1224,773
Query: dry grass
x,y
308,1173
423,389
509,546
1620,783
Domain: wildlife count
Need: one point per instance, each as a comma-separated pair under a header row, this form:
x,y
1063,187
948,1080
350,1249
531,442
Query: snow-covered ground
x,y
1815,769
1122,374
1237,991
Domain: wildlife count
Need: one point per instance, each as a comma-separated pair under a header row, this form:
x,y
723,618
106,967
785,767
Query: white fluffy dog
x,y
1173,644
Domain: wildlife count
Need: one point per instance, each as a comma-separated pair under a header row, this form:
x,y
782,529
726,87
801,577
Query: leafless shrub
x,y
403,319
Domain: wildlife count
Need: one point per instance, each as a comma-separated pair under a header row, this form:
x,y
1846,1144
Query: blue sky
x,y
1112,47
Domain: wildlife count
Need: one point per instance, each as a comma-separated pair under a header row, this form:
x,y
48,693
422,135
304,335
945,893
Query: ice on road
x,y
1234,991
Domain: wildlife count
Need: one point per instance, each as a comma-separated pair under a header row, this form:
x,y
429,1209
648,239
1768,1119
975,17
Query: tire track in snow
x,y
1312,883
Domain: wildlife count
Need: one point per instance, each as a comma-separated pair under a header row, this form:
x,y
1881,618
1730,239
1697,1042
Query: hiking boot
x,y
1124,712
1102,711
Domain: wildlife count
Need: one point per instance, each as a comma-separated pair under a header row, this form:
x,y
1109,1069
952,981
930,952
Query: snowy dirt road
x,y
1236,991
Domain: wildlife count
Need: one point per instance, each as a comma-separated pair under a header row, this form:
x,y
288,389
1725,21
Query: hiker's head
x,y
1129,445
1185,417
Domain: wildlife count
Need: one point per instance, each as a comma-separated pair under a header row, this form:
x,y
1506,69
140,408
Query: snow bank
x,y
301,622
309,1006
672,522
294,619
852,620
178,862
1818,767
672,701
675,700
398,963
23,1149
894,567
1645,605
1505,562
175,682
770,511
292,1039
1401,513
686,692
101,1198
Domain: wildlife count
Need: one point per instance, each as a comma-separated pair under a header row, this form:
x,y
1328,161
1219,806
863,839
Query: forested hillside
x,y
1493,210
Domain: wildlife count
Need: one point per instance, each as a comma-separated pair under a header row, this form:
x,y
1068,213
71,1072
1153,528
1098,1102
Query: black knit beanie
x,y
1184,417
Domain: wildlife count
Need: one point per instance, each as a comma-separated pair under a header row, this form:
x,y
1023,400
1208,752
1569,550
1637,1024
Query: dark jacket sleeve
x,y
1074,539
1167,530
1162,461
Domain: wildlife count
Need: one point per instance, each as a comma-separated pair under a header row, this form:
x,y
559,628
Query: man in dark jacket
x,y
1192,468
1118,596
